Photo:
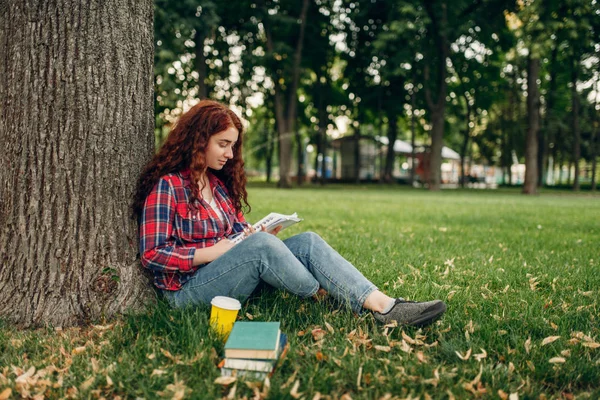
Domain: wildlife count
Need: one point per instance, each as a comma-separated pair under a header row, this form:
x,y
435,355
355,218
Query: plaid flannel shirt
x,y
170,233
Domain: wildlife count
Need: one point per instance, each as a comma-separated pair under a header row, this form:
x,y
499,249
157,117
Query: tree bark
x,y
575,126
285,112
437,108
413,123
76,123
533,119
594,139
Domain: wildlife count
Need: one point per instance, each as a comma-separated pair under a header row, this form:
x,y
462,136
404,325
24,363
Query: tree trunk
x,y
285,113
300,156
437,108
77,127
413,124
575,126
594,146
467,136
269,155
392,134
533,116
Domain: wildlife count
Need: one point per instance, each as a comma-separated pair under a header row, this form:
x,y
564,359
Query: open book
x,y
271,221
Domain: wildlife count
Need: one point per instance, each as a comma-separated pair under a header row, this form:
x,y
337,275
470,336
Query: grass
x,y
519,275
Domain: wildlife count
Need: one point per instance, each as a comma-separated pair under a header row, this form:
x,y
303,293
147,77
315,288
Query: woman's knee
x,y
264,241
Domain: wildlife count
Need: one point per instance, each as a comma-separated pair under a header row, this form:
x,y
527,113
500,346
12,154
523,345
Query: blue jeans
x,y
301,265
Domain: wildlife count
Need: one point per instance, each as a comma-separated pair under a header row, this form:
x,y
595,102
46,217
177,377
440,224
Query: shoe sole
x,y
430,315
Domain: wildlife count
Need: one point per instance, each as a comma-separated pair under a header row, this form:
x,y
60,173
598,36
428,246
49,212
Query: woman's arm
x,y
158,249
208,254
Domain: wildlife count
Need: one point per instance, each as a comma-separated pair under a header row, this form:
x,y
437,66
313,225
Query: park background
x,y
325,87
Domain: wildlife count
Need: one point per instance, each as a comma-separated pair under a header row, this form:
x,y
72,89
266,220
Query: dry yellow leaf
x,y
387,349
591,345
329,327
225,380
294,392
549,340
528,345
87,383
318,334
465,357
451,294
408,338
481,355
405,347
109,381
5,395
514,396
554,326
502,394
557,360
421,357
78,350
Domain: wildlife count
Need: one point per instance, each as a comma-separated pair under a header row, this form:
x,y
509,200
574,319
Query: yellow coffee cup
x,y
223,313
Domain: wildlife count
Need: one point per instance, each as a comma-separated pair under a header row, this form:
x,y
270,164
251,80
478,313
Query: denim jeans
x,y
300,264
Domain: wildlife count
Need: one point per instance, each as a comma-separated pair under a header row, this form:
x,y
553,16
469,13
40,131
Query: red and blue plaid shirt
x,y
170,232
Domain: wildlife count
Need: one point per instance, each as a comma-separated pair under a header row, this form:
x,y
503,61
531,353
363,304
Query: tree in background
x,y
76,125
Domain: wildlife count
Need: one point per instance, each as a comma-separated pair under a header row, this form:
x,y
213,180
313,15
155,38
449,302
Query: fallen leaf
x,y
78,350
502,394
294,392
451,294
318,334
249,316
408,338
421,357
528,345
405,347
95,366
591,345
5,395
465,357
481,355
109,381
320,357
329,327
231,394
103,327
87,383
514,396
387,349
158,372
225,380
531,366
557,360
549,340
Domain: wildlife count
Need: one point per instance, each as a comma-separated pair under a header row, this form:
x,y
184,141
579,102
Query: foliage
x,y
522,316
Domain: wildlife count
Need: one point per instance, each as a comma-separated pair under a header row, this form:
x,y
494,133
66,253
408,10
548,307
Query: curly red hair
x,y
185,148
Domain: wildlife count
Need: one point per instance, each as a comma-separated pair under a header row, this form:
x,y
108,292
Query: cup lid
x,y
226,303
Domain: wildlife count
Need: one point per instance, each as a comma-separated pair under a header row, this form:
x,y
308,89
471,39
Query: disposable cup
x,y
223,313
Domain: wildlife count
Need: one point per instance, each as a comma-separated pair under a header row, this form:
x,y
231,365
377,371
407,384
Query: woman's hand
x,y
273,231
208,254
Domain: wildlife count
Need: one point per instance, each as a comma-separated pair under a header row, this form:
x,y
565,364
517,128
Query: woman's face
x,y
220,148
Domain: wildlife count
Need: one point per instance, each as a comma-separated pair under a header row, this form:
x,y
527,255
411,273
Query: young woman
x,y
189,200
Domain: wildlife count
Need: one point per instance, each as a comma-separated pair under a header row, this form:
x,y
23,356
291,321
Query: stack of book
x,y
253,350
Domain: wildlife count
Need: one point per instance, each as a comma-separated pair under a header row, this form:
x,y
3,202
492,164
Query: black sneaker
x,y
413,313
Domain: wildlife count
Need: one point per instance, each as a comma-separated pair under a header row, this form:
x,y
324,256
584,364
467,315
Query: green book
x,y
249,339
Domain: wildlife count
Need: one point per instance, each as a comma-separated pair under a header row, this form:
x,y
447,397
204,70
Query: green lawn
x,y
520,276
